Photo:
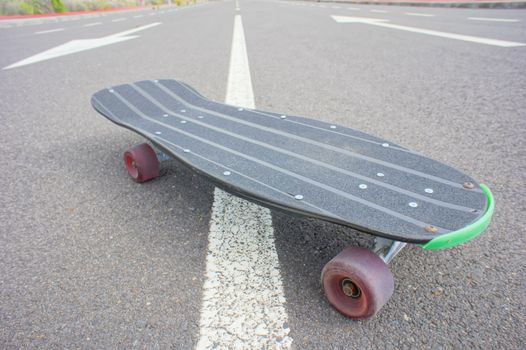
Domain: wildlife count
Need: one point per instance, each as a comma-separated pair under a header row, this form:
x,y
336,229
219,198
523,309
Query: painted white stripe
x,y
493,19
138,16
381,23
419,14
49,31
92,24
353,8
243,300
379,11
118,19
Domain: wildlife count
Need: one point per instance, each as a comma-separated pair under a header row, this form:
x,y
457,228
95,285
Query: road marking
x,y
493,19
381,23
49,31
118,19
353,8
419,14
92,24
243,300
379,11
138,16
75,46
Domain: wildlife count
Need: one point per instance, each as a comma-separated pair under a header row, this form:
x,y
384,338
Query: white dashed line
x,y
243,299
92,24
419,14
118,19
379,11
49,31
353,8
138,16
492,19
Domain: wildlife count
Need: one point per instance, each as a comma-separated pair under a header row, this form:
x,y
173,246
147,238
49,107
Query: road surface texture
x,y
90,259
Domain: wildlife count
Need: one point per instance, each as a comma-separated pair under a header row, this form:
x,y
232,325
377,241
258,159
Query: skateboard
x,y
308,168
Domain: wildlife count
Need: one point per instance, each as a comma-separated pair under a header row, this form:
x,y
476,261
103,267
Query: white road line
x,y
118,19
379,11
243,299
492,19
381,23
138,16
49,31
419,14
92,24
353,8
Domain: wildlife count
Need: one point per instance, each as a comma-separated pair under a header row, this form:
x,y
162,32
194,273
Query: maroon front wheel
x,y
357,282
142,163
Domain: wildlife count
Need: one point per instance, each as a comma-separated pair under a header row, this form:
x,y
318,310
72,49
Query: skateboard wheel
x,y
357,282
142,163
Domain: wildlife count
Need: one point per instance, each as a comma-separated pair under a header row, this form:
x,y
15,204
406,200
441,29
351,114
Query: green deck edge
x,y
467,233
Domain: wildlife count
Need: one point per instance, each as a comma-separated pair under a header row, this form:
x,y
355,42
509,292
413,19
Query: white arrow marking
x,y
474,39
75,46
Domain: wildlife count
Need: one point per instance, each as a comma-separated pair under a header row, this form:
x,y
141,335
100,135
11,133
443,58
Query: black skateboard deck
x,y
305,166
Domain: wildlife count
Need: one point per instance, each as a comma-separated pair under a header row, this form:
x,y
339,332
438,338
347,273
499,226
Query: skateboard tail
x,y
467,233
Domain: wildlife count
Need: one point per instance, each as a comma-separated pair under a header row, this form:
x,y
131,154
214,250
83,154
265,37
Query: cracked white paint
x,y
243,299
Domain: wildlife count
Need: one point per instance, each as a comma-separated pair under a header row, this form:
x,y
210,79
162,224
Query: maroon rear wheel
x,y
357,282
141,162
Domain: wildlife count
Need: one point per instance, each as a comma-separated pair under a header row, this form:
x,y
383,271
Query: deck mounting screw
x,y
111,90
413,204
165,115
158,132
186,150
226,173
240,109
183,121
380,174
200,117
429,190
283,117
469,185
333,126
431,229
362,186
183,110
298,197
385,144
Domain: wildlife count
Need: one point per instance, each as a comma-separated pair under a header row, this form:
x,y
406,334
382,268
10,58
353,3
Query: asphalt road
x,y
89,259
